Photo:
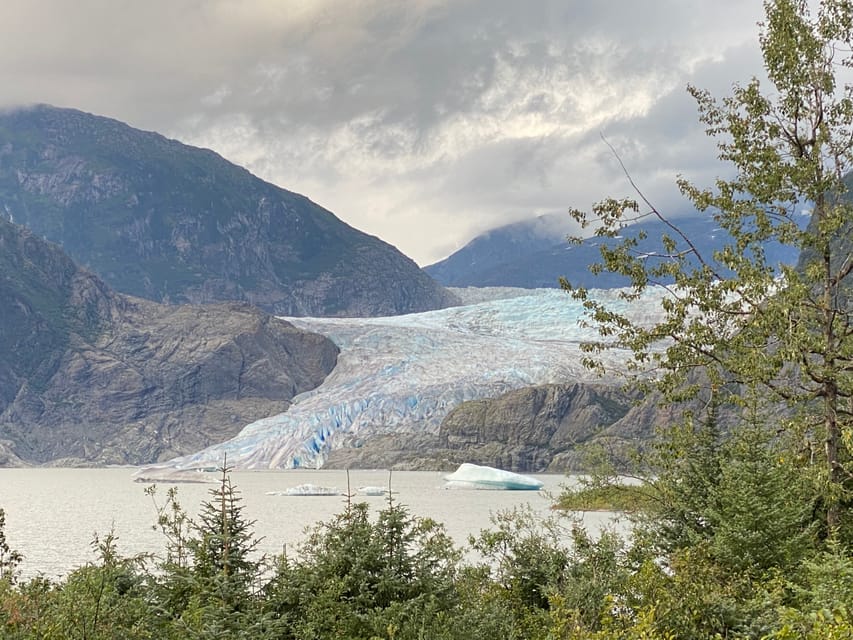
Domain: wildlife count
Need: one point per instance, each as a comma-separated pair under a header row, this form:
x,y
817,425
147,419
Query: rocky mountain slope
x,y
543,428
536,428
535,253
161,220
89,376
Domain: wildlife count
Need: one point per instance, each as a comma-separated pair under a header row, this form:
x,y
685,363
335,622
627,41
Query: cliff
x,y
543,428
89,376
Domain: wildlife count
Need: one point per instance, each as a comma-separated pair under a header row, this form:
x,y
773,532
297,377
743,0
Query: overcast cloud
x,y
423,122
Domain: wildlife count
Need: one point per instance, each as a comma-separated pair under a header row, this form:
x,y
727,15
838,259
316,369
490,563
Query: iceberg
x,y
403,374
307,489
473,476
373,491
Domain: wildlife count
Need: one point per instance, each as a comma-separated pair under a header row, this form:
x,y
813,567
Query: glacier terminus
x,y
403,374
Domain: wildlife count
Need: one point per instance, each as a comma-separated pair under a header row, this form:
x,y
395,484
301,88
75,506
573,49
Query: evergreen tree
x,y
357,577
224,543
211,575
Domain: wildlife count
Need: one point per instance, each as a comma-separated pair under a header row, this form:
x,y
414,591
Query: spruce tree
x,y
224,543
211,577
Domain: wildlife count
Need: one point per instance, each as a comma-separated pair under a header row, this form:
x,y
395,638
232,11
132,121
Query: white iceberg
x,y
474,476
307,490
373,491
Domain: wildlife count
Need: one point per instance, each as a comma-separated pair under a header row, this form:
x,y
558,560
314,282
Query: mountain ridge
x,y
169,222
536,253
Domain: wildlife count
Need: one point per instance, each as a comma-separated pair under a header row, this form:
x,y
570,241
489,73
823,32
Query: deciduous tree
x,y
741,321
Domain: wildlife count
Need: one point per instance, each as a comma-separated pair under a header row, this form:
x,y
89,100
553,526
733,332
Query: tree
x,y
225,542
99,600
208,583
356,577
9,558
742,322
544,573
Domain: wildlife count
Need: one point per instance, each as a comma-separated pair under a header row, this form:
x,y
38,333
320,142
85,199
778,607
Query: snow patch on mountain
x,y
403,374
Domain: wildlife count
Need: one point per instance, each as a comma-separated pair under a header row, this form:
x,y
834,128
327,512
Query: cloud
x,y
422,122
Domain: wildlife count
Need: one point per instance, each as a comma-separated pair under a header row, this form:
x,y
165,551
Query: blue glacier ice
x,y
402,374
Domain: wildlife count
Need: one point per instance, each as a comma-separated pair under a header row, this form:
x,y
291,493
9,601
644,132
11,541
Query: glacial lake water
x,y
52,514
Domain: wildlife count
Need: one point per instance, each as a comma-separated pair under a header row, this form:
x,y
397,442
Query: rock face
x,y
542,428
526,429
164,221
89,376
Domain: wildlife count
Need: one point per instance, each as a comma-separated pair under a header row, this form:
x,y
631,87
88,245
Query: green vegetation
x,y
748,497
741,336
610,496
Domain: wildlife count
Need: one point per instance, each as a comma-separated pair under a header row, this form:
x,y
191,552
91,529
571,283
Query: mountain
x,y
506,256
172,223
398,378
535,253
89,376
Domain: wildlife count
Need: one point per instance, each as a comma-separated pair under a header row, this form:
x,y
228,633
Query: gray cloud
x,y
422,122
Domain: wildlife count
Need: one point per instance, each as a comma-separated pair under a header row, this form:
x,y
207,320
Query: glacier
x,y
403,374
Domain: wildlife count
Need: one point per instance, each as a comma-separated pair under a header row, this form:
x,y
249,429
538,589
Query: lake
x,y
52,514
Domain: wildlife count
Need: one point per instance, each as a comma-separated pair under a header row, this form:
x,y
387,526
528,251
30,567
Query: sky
x,y
422,122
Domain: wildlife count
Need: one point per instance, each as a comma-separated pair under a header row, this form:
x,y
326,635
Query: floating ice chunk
x,y
473,476
373,491
173,476
307,490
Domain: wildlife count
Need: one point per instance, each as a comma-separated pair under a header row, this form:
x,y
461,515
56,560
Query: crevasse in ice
x,y
403,374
